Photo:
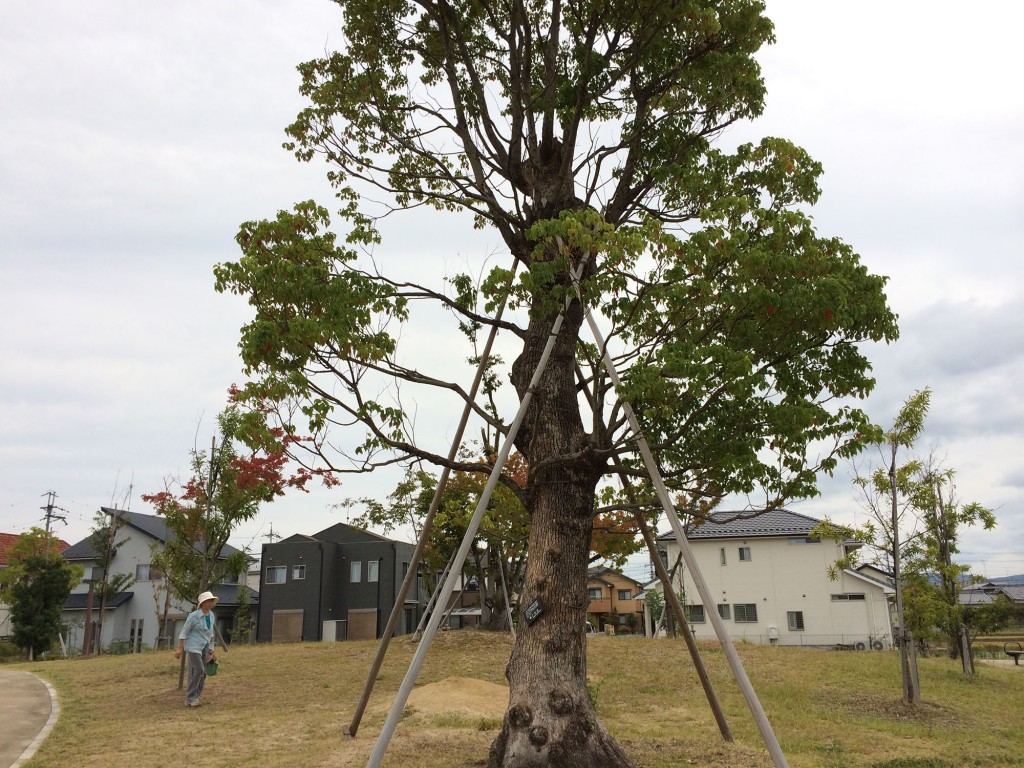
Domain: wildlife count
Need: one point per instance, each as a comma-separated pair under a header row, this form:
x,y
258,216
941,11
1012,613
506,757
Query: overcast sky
x,y
137,137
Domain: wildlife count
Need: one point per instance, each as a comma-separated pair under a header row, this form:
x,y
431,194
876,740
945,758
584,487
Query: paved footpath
x,y
28,711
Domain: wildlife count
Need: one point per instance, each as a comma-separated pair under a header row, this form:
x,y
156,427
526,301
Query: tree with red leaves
x,y
227,487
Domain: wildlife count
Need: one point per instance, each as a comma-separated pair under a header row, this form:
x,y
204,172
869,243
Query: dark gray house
x,y
338,584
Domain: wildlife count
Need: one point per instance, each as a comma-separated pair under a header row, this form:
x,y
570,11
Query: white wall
x,y
147,600
785,575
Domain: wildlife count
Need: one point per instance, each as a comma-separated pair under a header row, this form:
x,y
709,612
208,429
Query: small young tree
x,y
655,605
226,488
497,554
889,491
35,583
245,625
943,517
924,609
916,524
105,542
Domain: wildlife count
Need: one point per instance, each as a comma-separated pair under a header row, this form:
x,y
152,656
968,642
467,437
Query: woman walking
x,y
196,639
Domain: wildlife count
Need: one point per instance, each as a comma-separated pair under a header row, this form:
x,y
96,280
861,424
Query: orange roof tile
x,y
8,540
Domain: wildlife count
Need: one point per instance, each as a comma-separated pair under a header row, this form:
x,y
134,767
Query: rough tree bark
x,y
551,720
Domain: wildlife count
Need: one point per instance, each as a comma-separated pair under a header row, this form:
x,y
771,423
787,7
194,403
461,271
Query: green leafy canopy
x,y
581,133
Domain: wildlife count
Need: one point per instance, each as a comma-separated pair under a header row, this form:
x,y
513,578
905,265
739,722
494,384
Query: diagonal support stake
x,y
428,523
760,718
672,601
398,706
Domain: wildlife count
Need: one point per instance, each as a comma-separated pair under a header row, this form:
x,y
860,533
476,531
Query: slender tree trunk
x,y
964,646
551,720
497,615
908,654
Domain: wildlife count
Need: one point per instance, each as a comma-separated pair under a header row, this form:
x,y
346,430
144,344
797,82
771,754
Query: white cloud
x,y
138,137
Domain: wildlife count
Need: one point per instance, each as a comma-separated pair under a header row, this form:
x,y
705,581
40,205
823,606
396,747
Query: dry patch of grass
x,y
273,706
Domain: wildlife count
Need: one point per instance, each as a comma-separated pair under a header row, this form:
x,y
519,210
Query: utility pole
x,y
51,514
271,536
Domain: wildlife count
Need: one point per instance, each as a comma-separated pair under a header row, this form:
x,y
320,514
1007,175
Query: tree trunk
x,y
496,617
551,720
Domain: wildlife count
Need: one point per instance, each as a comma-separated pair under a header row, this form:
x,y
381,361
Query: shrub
x,y
9,652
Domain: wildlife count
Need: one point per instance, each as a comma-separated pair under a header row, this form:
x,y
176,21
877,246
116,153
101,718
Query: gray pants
x,y
196,676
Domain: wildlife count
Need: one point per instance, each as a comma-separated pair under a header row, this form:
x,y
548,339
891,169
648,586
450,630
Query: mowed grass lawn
x,y
285,705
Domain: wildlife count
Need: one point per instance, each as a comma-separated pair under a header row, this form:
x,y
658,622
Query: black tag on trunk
x,y
533,611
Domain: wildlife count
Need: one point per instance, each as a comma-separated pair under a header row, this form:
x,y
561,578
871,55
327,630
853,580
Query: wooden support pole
x,y
428,523
760,718
398,705
672,600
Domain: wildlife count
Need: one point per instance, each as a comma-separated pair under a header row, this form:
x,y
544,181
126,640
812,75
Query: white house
x,y
133,616
771,583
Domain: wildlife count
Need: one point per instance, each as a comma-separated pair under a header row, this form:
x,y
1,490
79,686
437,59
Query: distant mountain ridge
x,y
1018,579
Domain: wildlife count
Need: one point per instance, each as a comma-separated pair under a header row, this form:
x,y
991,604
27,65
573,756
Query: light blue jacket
x,y
198,632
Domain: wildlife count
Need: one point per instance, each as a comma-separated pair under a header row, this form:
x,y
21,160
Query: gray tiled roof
x,y
1015,592
227,594
598,571
153,526
732,525
77,601
991,589
976,598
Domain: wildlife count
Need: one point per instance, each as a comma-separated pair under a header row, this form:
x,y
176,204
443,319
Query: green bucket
x,y
211,668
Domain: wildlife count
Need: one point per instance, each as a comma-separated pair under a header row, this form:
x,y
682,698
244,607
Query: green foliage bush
x,y
122,648
9,652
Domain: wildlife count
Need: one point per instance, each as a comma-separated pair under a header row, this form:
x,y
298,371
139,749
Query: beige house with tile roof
x,y
771,582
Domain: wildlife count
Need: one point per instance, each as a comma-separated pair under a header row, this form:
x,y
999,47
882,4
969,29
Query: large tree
x,y
581,133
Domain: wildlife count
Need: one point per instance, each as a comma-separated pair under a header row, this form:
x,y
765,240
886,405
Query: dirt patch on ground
x,y
460,696
889,707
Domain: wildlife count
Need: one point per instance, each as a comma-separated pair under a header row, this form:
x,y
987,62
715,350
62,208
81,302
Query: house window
x,y
804,540
276,574
695,614
298,572
848,596
723,611
744,554
355,573
625,594
405,570
229,578
373,570
147,572
594,593
796,621
721,555
746,612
